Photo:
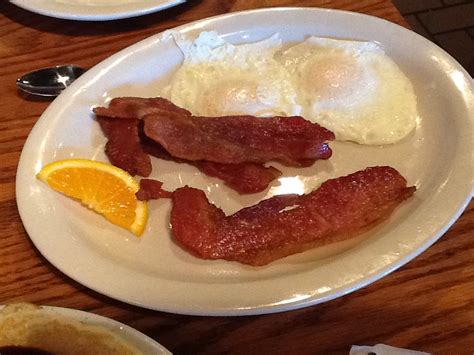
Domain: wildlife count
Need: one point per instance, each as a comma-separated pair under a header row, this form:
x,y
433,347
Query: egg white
x,y
218,78
352,88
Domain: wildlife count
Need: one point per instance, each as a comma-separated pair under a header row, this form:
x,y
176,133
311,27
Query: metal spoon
x,y
49,81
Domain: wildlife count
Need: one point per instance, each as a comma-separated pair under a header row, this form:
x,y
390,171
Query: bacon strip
x,y
231,140
245,178
288,224
123,146
230,148
128,149
237,139
138,107
151,190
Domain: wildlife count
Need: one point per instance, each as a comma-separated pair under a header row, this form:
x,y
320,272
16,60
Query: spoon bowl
x,y
50,81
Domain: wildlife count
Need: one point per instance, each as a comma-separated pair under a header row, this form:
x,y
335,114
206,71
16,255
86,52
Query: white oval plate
x,y
95,10
144,343
153,272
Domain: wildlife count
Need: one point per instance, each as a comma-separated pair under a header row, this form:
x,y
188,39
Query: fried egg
x,y
352,88
218,78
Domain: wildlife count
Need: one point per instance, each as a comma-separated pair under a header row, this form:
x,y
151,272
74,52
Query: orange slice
x,y
102,187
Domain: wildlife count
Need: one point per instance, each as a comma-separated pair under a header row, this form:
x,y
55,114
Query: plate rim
x,y
99,16
292,305
97,319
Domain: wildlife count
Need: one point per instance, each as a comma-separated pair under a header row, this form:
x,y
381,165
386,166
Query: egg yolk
x,y
331,76
236,97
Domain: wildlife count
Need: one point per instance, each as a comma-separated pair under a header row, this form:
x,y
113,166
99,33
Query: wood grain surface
x,y
426,305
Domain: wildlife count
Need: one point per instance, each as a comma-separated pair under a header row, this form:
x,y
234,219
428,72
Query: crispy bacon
x,y
123,146
138,107
231,148
149,146
245,178
230,140
237,139
284,225
123,151
150,189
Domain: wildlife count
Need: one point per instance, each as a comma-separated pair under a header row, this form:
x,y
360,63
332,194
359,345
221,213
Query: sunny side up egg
x,y
352,88
218,78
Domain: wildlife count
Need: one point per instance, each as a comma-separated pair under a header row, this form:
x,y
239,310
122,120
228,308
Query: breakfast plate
x,y
95,10
132,336
154,272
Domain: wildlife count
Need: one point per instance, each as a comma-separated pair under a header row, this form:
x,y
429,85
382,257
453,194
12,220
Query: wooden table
x,y
427,305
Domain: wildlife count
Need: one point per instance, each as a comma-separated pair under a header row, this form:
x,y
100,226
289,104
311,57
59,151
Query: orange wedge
x,y
102,187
